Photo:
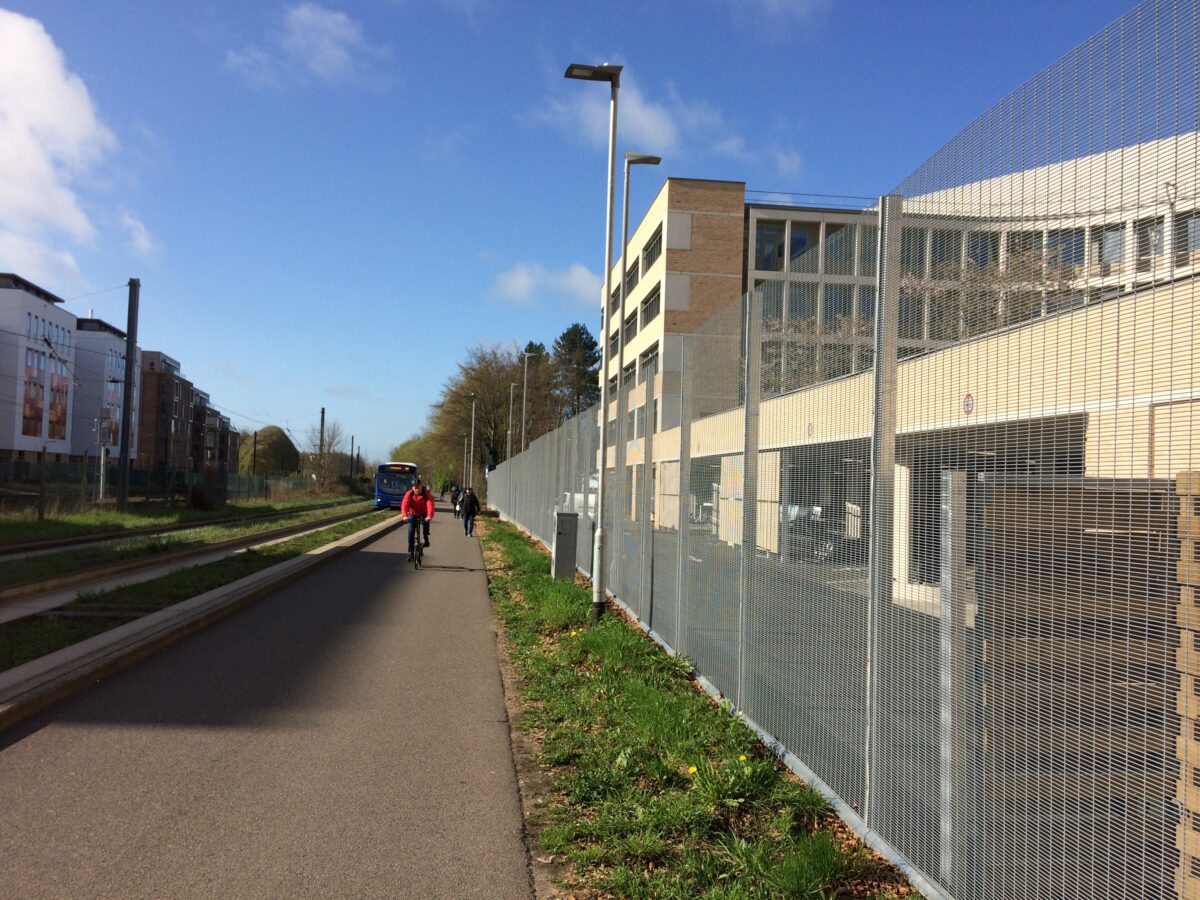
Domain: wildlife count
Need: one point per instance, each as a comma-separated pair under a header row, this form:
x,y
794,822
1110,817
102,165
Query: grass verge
x,y
654,790
23,527
27,639
32,569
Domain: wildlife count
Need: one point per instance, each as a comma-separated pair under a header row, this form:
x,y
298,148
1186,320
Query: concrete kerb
x,y
31,687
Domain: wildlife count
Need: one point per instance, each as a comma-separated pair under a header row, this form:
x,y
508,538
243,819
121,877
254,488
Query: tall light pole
x,y
464,464
524,391
511,386
631,159
471,457
611,74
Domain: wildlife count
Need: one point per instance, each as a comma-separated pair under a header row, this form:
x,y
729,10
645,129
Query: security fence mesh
x,y
923,506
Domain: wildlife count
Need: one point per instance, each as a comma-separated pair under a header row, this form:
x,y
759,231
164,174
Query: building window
x,y
868,249
1108,250
839,249
631,278
650,306
865,320
614,302
912,252
629,373
802,247
1024,262
1064,250
837,309
1149,234
28,324
614,343
945,254
944,315
648,360
653,249
983,249
1187,239
772,308
802,308
768,246
910,318
631,326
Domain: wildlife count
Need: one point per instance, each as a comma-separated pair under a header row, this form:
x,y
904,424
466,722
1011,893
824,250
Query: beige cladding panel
x,y
1118,443
1174,429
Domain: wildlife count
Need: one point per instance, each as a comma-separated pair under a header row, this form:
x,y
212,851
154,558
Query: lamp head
x,y
641,159
603,72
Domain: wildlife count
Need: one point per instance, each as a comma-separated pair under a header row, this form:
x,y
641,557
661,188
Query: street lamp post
x,y
611,74
464,463
524,392
511,386
471,464
631,159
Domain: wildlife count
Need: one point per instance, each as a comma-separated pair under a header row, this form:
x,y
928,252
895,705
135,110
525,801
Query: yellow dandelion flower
x,y
742,758
691,770
573,633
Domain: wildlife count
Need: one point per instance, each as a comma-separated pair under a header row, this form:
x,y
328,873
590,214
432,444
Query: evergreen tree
x,y
576,365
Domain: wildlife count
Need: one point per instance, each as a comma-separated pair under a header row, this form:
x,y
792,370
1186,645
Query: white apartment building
x,y
99,393
37,362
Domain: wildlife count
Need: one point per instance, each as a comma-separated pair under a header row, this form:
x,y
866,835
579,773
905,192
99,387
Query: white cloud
x,y
140,239
51,139
323,40
646,125
524,282
36,261
313,42
50,134
788,162
753,11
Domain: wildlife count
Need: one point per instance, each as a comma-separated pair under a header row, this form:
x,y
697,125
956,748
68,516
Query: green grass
x,y
23,527
26,639
15,572
657,791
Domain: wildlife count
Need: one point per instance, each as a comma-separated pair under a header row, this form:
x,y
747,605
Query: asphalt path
x,y
344,737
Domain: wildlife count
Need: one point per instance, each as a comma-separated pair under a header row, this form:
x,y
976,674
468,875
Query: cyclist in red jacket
x,y
417,507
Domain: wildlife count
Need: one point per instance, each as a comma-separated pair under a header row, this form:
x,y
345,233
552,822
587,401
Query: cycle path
x,y
346,736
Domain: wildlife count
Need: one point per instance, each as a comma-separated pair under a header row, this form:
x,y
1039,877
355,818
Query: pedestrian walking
x,y
470,506
455,500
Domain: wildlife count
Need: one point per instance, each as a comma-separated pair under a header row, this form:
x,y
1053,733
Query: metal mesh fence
x,y
924,507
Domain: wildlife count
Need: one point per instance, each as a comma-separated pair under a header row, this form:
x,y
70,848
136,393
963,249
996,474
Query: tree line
x,y
562,382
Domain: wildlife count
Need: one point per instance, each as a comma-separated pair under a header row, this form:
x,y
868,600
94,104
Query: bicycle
x,y
418,542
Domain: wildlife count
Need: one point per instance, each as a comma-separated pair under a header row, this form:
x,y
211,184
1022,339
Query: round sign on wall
x,y
969,404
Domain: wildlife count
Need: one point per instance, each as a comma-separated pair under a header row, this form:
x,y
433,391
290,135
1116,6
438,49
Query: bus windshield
x,y
395,482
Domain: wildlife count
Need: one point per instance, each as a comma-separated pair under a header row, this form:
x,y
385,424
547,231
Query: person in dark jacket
x,y
417,505
470,506
455,497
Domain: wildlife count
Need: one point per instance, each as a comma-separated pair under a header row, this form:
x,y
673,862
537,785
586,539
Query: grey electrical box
x,y
566,527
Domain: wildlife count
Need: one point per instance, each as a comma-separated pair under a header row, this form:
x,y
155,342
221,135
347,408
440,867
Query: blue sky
x,y
328,202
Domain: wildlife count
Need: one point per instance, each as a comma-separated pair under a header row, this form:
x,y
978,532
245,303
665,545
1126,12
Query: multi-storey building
x,y
214,440
165,426
37,357
99,395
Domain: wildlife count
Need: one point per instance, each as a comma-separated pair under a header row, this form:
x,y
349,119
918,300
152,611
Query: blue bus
x,y
392,481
